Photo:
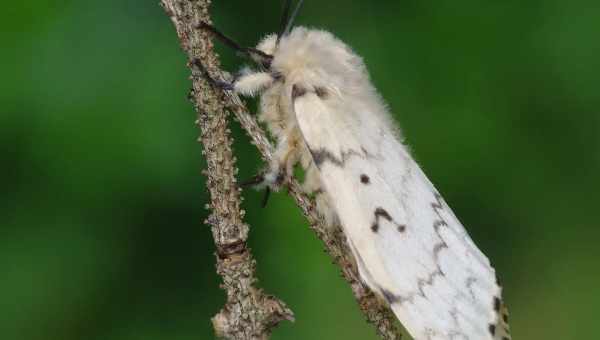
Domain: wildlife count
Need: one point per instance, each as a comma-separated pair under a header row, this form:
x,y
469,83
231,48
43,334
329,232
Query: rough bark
x,y
249,313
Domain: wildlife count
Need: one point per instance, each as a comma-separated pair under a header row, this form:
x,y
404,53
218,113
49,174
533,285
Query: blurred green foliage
x,y
102,200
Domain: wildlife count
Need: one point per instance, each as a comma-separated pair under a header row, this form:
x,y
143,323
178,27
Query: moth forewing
x,y
408,248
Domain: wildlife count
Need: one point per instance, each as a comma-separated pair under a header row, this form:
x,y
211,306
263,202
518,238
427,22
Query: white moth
x,y
318,102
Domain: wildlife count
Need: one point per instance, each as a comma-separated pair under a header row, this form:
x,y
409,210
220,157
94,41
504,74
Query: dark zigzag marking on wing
x,y
382,213
389,296
469,284
454,314
437,249
392,298
323,155
421,284
437,224
437,206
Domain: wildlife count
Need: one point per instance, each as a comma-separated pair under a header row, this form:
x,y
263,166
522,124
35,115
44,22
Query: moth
x,y
318,102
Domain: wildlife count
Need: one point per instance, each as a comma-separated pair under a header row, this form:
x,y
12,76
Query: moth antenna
x,y
291,19
257,56
285,14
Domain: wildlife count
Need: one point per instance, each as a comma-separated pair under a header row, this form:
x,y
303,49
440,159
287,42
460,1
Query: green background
x,y
102,199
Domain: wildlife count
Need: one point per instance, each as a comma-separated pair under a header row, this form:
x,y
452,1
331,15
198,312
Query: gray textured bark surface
x,y
249,313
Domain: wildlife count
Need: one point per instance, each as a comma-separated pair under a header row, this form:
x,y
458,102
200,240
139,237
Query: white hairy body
x,y
410,249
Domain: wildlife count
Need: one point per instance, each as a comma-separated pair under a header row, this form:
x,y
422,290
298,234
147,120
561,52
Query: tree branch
x,y
249,313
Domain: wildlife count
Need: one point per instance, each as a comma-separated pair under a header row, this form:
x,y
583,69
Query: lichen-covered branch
x,y
249,314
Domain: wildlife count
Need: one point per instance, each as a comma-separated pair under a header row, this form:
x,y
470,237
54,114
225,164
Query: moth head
x,y
262,55
269,44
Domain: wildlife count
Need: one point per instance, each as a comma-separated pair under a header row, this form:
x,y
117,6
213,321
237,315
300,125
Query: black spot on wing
x,y
364,179
374,227
297,91
497,304
492,329
322,92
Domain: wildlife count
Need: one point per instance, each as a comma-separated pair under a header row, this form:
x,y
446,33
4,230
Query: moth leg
x,y
258,181
254,181
281,167
288,153
251,83
224,85
312,185
248,83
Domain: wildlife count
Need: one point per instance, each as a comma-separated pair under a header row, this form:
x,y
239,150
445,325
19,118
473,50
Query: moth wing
x,y
409,246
